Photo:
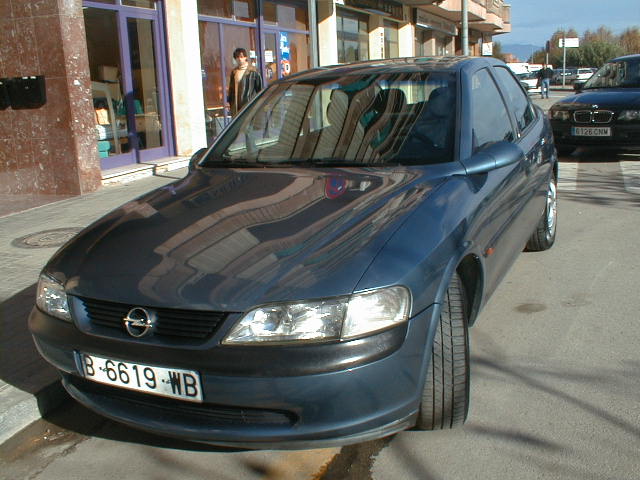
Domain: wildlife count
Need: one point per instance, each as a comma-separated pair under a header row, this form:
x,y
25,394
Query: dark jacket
x,y
545,73
250,85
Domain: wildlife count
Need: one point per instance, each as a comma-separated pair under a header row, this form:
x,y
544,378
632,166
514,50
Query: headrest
x,y
441,102
337,107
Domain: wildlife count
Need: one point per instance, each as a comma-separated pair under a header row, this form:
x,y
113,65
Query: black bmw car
x,y
311,281
605,111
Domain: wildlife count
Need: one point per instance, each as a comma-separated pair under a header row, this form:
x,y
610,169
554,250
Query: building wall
x,y
50,149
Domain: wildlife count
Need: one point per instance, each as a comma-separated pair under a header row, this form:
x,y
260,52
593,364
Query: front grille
x,y
602,116
187,324
597,116
171,410
582,116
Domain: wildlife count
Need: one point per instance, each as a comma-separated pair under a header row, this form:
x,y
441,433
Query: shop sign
x,y
487,49
390,9
285,63
424,20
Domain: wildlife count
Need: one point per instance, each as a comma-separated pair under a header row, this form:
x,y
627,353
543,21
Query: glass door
x,y
218,40
128,81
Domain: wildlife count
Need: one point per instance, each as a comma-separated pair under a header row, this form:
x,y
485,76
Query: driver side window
x,y
489,116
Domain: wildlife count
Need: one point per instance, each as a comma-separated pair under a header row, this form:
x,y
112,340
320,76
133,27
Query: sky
x,y
534,21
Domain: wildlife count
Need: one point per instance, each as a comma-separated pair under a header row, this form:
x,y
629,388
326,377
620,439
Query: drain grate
x,y
46,238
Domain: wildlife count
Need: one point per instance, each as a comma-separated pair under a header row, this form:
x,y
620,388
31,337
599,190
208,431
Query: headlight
x,y
559,115
52,299
629,115
323,320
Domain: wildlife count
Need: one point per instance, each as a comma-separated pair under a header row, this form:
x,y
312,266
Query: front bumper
x,y
622,135
369,398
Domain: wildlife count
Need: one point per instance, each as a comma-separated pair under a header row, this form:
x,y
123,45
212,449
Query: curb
x,y
23,408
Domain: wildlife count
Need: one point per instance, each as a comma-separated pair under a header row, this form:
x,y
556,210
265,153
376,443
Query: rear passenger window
x,y
489,118
520,103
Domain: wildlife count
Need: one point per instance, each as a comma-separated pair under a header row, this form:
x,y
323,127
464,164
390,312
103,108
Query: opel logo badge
x,y
594,106
139,322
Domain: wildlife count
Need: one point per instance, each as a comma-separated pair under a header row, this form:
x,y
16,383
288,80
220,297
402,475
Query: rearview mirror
x,y
195,158
497,155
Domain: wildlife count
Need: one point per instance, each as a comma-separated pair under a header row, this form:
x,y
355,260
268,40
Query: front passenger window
x,y
519,102
489,117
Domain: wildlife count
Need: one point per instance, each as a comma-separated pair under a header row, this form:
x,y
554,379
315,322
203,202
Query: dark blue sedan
x,y
605,111
312,279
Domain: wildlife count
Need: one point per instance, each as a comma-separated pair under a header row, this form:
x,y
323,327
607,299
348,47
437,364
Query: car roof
x,y
407,64
634,56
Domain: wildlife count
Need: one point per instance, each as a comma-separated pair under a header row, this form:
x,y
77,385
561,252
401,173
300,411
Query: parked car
x,y
312,279
530,80
604,111
580,74
559,73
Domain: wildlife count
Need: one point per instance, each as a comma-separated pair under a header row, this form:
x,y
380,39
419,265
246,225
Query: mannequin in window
x,y
244,83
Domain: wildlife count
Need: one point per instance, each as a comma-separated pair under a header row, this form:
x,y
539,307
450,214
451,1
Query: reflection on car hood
x,y
230,239
610,97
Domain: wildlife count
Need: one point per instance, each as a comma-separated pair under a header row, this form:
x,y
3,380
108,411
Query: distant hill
x,y
523,52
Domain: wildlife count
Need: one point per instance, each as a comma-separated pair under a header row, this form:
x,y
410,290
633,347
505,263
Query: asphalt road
x,y
555,376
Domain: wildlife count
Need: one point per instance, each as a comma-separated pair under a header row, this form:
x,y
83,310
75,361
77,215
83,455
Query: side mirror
x,y
195,158
500,154
577,86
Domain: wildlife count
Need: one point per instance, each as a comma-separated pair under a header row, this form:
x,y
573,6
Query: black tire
x,y
565,150
544,236
445,397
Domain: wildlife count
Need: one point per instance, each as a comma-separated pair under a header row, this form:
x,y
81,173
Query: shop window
x,y
244,10
286,15
353,36
391,49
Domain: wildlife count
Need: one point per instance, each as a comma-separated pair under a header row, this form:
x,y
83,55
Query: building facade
x,y
112,84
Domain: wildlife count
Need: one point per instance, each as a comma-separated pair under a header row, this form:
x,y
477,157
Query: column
x,y
50,149
183,45
376,37
327,33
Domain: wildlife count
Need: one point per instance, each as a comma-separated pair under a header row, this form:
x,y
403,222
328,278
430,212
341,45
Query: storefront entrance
x,y
130,99
277,43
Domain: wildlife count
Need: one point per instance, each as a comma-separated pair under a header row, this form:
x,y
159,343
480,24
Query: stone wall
x,y
50,149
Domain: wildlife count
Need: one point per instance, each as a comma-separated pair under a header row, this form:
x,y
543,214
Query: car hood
x,y
230,239
617,98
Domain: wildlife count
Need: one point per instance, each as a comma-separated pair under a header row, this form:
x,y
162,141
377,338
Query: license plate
x,y
591,131
167,382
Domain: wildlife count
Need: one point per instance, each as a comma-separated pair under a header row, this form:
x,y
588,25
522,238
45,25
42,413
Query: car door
x,y
499,189
532,138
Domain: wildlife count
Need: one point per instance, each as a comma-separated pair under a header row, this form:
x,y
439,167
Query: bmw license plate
x,y
167,382
591,131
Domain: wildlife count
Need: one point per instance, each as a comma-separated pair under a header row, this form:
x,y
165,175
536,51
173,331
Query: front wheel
x,y
445,397
544,236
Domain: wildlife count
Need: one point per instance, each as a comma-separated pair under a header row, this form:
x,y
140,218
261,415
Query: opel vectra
x,y
312,279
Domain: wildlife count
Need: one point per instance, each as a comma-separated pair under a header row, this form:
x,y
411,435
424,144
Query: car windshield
x,y
623,74
378,119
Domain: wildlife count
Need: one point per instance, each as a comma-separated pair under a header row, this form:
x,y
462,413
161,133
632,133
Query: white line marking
x,y
567,175
631,176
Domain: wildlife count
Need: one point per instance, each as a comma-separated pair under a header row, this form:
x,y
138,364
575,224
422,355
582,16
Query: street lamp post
x,y
465,27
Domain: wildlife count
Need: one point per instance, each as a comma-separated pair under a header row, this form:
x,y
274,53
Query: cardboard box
x,y
108,73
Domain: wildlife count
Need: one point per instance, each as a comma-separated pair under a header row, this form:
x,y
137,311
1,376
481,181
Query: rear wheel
x,y
544,236
445,397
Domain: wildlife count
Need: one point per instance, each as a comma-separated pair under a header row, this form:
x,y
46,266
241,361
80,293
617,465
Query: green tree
x,y
594,54
497,51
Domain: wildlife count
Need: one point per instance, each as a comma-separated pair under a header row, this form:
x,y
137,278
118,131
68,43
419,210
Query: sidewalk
x,y
29,386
